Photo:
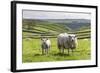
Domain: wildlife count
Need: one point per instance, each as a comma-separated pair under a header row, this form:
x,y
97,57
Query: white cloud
x,y
29,14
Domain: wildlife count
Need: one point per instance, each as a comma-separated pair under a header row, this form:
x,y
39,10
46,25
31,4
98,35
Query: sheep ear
x,y
75,36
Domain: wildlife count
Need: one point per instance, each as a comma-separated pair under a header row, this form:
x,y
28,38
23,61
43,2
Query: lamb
x,y
46,43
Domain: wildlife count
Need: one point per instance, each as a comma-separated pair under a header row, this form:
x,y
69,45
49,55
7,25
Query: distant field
x,y
32,51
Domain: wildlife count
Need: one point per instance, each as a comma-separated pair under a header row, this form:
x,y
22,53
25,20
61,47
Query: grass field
x,y
32,51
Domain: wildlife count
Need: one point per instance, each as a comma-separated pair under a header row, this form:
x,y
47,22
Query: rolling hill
x,y
74,24
52,27
44,26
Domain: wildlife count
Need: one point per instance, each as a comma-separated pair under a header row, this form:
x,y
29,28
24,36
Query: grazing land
x,y
32,51
33,30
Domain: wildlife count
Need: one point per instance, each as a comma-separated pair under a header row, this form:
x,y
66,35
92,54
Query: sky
x,y
31,14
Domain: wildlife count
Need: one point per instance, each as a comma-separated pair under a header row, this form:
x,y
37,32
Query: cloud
x,y
31,14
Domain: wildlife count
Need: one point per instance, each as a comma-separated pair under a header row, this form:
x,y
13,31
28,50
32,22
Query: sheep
x,y
46,43
66,41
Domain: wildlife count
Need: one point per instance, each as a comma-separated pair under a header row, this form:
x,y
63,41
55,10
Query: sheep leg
x,y
72,51
68,51
63,50
46,51
42,51
60,49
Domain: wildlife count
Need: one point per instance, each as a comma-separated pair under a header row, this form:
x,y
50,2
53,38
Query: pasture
x,y
32,51
34,29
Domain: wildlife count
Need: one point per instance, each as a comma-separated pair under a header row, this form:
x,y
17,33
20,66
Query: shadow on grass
x,y
56,54
37,54
41,54
60,54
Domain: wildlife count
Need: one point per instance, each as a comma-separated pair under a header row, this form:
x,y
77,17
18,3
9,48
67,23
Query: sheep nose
x,y
72,40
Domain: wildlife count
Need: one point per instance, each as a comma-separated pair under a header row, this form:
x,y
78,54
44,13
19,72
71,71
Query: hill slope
x,y
51,28
74,24
44,26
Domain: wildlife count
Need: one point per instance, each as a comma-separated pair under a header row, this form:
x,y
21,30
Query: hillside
x,y
74,24
40,26
51,28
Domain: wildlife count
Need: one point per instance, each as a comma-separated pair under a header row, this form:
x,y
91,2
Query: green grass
x,y
32,43
32,51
